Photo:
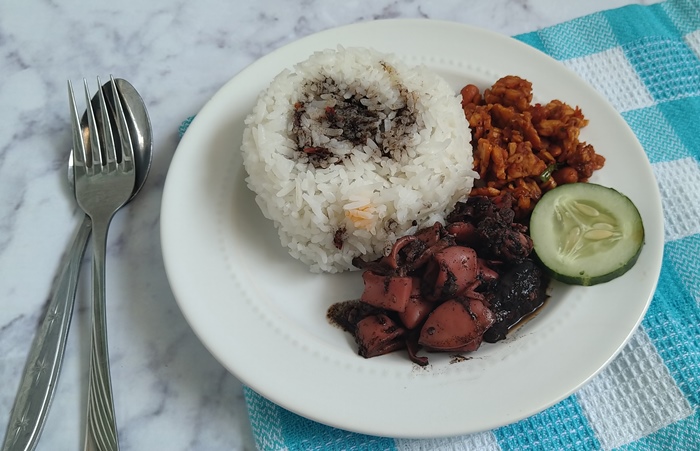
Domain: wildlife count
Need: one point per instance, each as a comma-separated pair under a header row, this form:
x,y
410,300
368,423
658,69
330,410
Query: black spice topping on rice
x,y
328,110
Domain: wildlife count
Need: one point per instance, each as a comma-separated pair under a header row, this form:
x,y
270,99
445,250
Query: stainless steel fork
x,y
104,180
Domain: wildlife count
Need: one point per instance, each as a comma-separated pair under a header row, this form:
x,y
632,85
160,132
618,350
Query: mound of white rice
x,y
352,150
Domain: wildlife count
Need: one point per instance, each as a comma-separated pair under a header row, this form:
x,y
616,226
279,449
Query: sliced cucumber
x,y
586,234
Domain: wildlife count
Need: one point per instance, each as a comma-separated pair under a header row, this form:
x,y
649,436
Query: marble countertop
x,y
170,393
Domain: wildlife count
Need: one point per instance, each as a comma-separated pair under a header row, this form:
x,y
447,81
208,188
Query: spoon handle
x,y
43,365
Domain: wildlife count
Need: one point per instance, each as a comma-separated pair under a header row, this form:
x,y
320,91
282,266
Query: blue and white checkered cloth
x,y
646,61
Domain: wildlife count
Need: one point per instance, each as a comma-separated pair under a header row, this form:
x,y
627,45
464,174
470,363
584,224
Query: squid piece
x,y
456,326
377,335
430,235
465,233
395,259
413,251
453,270
486,274
412,348
387,292
417,308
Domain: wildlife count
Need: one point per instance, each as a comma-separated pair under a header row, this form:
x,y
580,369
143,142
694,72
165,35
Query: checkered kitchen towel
x,y
646,61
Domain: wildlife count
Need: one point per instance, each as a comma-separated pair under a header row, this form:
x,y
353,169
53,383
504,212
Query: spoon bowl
x,y
139,129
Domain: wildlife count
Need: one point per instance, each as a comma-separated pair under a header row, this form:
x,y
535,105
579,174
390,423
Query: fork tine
x,y
110,151
127,145
94,133
79,154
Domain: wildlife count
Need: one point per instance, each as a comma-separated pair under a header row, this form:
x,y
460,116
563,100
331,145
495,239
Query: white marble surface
x,y
169,392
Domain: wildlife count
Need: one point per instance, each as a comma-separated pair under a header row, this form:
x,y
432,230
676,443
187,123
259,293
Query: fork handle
x,y
101,427
45,359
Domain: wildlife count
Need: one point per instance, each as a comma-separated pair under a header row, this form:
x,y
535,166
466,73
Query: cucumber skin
x,y
587,280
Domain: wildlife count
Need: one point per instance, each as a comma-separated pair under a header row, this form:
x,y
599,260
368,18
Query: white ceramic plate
x,y
263,315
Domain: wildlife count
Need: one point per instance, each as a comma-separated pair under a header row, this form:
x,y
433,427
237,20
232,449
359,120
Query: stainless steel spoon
x,y
139,129
43,364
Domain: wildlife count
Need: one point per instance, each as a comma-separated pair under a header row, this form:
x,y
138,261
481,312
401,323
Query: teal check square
x,y
630,23
578,37
684,14
676,113
563,426
668,67
656,134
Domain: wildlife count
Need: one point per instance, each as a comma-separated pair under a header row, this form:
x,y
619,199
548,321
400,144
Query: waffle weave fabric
x,y
646,61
